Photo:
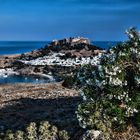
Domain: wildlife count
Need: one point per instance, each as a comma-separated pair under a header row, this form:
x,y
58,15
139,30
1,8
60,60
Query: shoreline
x,y
10,55
52,61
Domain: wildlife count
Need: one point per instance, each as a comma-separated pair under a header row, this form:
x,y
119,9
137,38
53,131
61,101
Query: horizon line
x,y
58,39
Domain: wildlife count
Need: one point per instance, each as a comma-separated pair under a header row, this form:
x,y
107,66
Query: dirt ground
x,y
21,104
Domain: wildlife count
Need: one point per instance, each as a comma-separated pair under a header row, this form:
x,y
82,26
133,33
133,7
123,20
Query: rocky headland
x,y
56,59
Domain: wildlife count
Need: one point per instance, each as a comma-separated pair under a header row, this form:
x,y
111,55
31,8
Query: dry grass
x,y
130,134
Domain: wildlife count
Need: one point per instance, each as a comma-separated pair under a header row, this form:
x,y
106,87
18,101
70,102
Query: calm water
x,y
105,44
16,47
23,79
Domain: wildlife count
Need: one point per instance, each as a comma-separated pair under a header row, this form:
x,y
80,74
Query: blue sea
x,y
105,44
18,47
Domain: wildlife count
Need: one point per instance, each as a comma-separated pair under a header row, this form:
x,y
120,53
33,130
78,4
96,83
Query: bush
x,y
44,131
79,77
31,131
19,135
63,135
111,90
69,82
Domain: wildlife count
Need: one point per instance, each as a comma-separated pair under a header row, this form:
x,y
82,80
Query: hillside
x,y
55,60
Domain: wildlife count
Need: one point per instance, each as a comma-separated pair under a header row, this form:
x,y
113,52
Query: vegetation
x,y
78,77
111,91
111,98
33,132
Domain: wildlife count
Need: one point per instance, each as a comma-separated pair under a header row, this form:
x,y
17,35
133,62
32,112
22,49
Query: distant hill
x,y
71,47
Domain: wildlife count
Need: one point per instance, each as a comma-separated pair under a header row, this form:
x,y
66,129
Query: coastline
x,y
52,62
10,55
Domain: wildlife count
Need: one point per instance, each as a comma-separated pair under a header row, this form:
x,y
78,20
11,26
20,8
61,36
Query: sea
x,y
105,44
18,47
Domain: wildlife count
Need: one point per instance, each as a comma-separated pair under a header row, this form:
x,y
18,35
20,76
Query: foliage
x,y
63,135
111,90
43,131
9,135
31,131
19,135
79,77
69,82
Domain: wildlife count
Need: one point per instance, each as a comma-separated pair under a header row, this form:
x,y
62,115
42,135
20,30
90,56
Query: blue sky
x,y
56,19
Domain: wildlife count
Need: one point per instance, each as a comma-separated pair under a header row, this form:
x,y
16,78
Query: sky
x,y
45,20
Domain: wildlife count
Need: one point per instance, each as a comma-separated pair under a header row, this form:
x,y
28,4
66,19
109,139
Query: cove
x,y
12,79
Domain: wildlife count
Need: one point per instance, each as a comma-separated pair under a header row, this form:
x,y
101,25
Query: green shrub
x,y
79,77
69,82
31,131
136,120
111,90
43,131
9,135
63,135
19,135
46,131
